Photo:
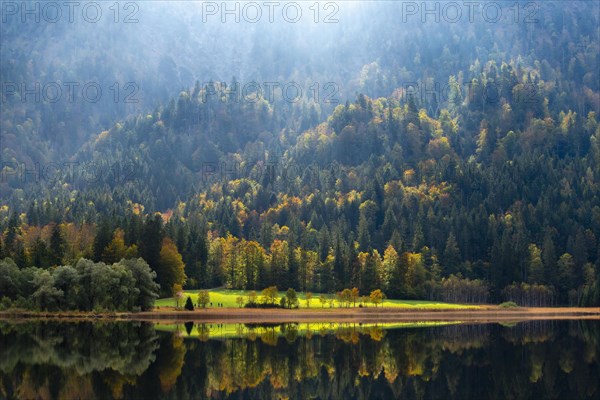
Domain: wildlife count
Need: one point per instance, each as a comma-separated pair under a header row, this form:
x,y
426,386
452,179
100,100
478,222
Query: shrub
x,y
23,303
5,303
509,304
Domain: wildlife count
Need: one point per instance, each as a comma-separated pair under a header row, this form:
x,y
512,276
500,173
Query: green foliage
x,y
145,281
46,296
203,298
344,297
240,301
376,297
291,299
10,279
151,243
451,259
508,304
5,303
536,266
269,294
57,246
124,286
170,269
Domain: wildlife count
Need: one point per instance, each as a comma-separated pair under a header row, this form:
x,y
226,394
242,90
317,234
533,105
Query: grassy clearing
x,y
228,299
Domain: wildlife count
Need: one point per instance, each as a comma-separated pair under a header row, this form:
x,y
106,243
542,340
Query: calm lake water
x,y
534,360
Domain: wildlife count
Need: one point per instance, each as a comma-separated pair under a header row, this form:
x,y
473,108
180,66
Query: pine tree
x,y
12,232
189,305
396,241
549,258
566,276
390,223
324,243
451,258
57,246
364,236
397,285
355,267
102,239
536,266
418,238
133,230
195,256
327,281
20,256
152,241
580,256
369,274
293,268
339,266
39,254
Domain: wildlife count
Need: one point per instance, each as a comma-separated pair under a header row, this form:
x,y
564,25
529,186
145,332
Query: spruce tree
x,y
57,246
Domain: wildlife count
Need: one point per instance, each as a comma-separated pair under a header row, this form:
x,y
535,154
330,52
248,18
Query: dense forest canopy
x,y
429,155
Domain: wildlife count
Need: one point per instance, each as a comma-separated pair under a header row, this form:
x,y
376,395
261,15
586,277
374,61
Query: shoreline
x,y
365,315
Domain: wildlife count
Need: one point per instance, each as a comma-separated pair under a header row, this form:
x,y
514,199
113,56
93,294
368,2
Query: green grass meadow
x,y
228,299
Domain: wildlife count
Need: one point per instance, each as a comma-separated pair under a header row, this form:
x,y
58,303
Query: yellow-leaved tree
x,y
170,271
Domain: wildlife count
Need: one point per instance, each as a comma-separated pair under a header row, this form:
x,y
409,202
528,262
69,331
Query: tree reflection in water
x,y
134,360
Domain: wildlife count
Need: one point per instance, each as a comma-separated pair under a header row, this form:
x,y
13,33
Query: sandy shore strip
x,y
365,315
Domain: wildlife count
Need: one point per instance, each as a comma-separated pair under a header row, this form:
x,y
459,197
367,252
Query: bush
x,y
5,303
23,303
262,305
509,304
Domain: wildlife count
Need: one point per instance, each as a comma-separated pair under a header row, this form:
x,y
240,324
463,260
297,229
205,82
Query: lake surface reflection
x,y
102,360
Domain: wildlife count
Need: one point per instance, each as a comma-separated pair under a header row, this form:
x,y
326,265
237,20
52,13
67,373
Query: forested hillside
x,y
432,160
